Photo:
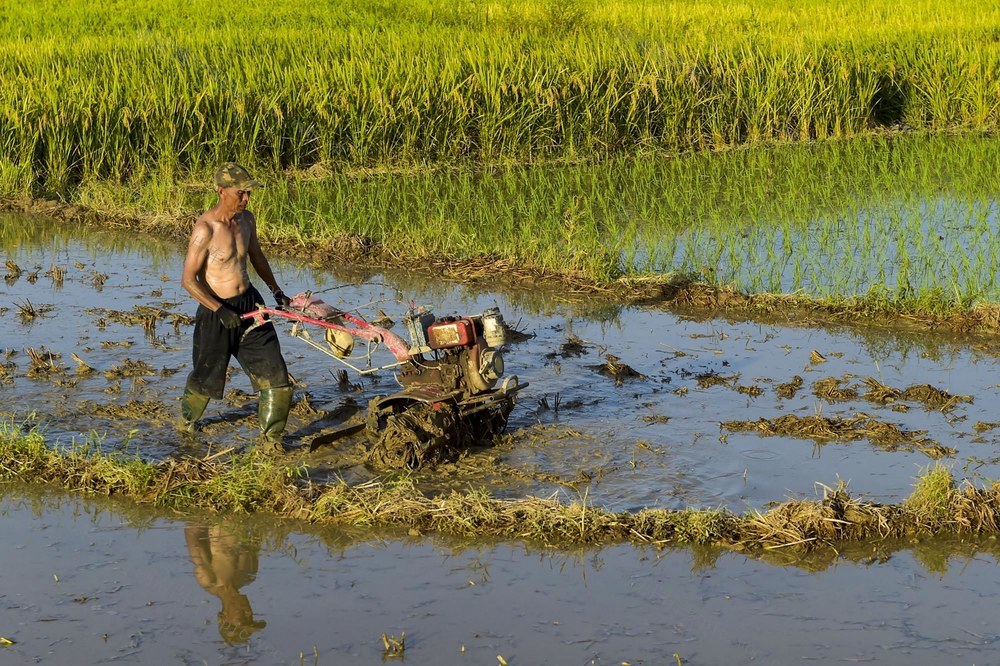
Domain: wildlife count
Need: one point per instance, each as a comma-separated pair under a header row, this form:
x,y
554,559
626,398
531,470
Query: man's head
x,y
233,181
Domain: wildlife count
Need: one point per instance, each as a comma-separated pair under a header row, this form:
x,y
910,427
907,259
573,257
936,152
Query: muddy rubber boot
x,y
192,407
272,412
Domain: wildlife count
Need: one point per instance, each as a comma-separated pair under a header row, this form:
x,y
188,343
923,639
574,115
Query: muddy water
x,y
89,582
654,440
93,582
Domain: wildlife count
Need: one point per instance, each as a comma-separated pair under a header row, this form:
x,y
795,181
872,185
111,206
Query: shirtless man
x,y
215,274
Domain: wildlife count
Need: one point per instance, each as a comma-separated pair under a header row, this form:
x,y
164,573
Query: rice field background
x,y
601,141
160,89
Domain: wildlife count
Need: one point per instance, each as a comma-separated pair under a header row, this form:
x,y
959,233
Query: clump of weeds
x,y
932,496
515,334
43,362
97,279
393,648
789,388
13,272
831,389
571,348
929,396
615,369
752,390
28,312
82,367
933,398
860,426
709,379
57,274
130,368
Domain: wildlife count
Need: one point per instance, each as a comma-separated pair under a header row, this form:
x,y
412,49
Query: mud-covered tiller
x,y
453,394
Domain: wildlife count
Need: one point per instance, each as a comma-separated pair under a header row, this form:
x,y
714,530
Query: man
x,y
215,274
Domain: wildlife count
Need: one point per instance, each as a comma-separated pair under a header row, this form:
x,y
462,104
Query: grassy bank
x,y
251,483
164,90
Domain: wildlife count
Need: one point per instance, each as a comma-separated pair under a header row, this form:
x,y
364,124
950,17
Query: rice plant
x,y
162,91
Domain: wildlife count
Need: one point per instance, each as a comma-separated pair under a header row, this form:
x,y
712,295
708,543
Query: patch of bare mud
x,y
886,436
153,412
834,389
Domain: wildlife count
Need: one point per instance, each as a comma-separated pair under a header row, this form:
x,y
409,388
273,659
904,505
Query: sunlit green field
x,y
912,220
564,135
127,91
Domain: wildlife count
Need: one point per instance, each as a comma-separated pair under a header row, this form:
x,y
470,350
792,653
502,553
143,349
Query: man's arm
x,y
194,266
261,265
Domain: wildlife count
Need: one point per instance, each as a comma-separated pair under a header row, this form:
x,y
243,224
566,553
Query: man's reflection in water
x,y
223,563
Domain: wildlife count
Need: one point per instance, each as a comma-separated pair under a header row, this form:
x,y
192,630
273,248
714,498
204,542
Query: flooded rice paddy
x,y
104,353
96,348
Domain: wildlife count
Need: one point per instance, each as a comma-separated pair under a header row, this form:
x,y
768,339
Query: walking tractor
x,y
451,373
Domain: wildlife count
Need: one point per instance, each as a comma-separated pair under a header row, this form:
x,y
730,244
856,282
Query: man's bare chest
x,y
228,245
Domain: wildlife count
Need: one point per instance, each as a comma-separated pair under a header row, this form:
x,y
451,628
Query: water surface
x,y
650,441
92,582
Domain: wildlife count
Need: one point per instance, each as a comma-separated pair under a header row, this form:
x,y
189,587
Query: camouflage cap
x,y
232,174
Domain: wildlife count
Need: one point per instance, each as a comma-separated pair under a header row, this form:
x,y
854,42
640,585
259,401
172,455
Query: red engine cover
x,y
447,334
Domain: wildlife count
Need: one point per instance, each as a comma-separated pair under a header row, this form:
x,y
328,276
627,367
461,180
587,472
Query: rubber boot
x,y
272,412
192,407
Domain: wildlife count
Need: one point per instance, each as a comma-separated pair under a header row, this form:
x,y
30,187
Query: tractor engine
x,y
455,353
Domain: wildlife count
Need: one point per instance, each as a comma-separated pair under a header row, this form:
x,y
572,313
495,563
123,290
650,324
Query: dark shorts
x,y
257,349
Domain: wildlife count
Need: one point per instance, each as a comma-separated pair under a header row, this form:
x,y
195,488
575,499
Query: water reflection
x,y
224,562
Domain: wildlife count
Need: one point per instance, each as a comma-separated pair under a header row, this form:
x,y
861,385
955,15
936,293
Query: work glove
x,y
283,301
228,317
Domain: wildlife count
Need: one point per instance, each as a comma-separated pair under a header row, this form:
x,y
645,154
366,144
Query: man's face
x,y
239,198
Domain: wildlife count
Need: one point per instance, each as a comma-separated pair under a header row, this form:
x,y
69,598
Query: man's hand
x,y
228,317
283,301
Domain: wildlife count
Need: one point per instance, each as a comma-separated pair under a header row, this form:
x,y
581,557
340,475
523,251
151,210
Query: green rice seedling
x,y
933,495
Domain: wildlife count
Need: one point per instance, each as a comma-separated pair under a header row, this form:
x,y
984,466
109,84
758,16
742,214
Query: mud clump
x,y
710,379
616,370
132,410
304,408
790,388
831,389
130,368
43,363
572,348
861,426
237,397
933,398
